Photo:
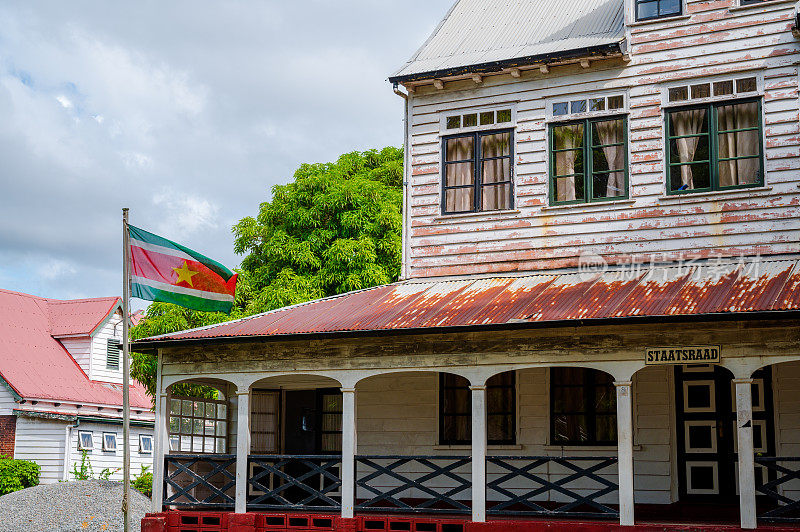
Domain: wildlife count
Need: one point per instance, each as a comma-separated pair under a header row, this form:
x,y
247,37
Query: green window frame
x,y
586,164
712,137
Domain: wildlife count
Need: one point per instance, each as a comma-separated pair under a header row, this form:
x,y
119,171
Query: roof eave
x,y
603,50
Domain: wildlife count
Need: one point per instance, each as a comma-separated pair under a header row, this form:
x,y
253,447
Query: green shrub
x,y
144,482
17,474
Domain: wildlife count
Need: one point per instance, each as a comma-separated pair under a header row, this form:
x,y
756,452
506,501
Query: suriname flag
x,y
163,270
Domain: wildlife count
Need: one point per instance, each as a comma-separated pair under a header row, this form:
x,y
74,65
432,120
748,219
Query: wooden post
x,y
744,429
126,375
625,452
160,449
242,448
478,453
348,452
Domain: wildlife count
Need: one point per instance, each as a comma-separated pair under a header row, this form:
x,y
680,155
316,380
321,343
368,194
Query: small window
x,y
698,91
714,147
480,120
197,425
145,444
583,407
85,442
650,9
455,409
112,353
109,441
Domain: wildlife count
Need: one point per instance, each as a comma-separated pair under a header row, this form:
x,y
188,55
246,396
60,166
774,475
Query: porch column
x,y
744,434
242,448
478,453
160,446
348,452
625,452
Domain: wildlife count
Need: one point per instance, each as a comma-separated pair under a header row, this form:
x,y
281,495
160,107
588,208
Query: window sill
x,y
591,206
481,214
761,5
515,447
567,448
713,194
648,22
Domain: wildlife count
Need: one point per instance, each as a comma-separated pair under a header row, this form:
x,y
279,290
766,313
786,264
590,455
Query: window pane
x,y
616,102
496,197
499,399
457,401
453,122
198,426
460,149
597,104
459,199
746,85
496,145
221,428
605,399
186,425
693,145
496,170
722,88
487,118
500,428
504,116
605,429
331,442
174,424
175,406
678,94
332,422
569,399
607,157
220,445
701,91
569,136
187,408
578,106
459,174
502,379
570,187
560,108
570,428
456,429
199,409
221,411
690,176
647,9
738,116
669,7
186,443
739,172
210,410
209,427
470,120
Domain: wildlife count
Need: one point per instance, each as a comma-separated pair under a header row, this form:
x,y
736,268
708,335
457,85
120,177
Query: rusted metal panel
x,y
710,287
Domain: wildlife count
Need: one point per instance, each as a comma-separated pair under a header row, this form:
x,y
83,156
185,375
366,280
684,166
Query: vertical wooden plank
x,y
744,429
348,451
479,442
242,448
625,452
160,439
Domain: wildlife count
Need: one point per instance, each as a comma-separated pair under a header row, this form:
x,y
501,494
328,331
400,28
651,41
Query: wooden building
x,y
598,311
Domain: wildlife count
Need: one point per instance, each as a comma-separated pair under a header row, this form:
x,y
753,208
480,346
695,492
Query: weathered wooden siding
x,y
713,40
101,459
81,351
111,329
7,403
42,441
786,394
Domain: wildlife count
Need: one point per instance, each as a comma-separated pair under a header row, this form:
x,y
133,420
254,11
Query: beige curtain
x,y
567,137
611,132
687,123
495,171
740,144
459,174
264,427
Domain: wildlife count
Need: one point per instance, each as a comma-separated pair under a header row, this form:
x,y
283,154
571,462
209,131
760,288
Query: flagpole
x,y
126,370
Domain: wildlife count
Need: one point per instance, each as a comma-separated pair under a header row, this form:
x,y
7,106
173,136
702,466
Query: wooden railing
x,y
783,489
294,482
199,480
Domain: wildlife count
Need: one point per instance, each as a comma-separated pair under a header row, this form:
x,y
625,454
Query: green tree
x,y
334,229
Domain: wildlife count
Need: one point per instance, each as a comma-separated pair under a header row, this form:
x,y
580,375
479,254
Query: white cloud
x,y
64,101
182,215
54,269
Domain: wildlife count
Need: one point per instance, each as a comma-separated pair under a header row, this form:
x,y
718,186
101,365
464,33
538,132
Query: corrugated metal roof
x,y
712,287
37,366
480,32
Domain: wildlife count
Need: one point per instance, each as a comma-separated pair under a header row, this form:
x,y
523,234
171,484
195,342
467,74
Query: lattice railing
x,y
549,485
784,489
297,482
413,483
199,480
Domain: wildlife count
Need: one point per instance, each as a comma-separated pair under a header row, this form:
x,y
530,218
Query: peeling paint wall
x,y
715,39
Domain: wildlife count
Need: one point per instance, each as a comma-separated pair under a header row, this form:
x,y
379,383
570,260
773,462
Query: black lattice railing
x,y
784,490
413,483
549,485
199,480
297,482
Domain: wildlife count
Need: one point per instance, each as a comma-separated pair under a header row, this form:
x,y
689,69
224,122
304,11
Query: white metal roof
x,y
484,32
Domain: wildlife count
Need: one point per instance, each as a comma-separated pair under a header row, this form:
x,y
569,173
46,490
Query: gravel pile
x,y
79,506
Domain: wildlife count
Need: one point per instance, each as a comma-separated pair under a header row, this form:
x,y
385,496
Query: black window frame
x,y
589,386
713,146
658,16
588,149
443,387
476,160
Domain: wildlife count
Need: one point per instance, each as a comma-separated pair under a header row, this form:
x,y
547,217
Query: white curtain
x,y
687,123
611,132
567,137
495,171
740,144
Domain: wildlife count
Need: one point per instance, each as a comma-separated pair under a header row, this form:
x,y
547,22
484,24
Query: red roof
x,y
35,364
712,287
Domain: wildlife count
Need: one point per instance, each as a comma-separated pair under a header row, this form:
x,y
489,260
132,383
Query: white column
x,y
242,448
744,430
348,451
625,452
478,453
160,440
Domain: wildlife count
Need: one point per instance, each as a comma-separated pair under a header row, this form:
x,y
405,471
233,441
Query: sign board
x,y
695,354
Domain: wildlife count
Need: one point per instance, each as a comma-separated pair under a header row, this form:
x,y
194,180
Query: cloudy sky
x,y
187,112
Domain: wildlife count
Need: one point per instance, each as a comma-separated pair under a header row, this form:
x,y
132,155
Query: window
x,y
145,444
455,409
85,442
478,119
706,89
477,172
714,146
650,9
112,353
109,441
330,420
198,425
583,407
588,160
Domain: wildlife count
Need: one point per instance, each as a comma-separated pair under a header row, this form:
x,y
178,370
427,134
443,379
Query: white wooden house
x,y
598,311
60,386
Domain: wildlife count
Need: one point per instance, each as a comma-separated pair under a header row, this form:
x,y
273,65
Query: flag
x,y
163,270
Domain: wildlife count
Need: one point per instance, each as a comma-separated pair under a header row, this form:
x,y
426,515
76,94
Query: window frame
x,y
81,447
590,413
180,434
115,343
108,448
477,169
441,413
588,182
636,17
321,412
713,145
142,438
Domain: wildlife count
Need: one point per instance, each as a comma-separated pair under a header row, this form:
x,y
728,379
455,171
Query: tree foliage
x,y
335,228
